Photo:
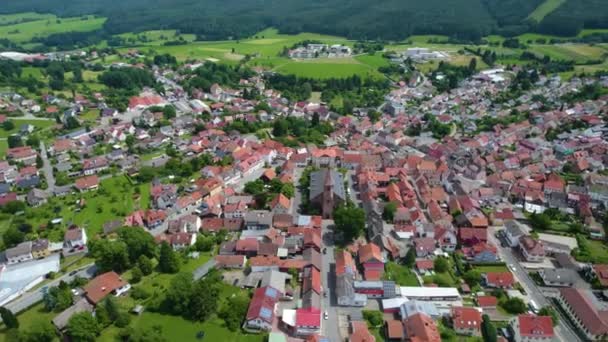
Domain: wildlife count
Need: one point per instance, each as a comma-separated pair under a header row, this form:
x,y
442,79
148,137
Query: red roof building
x,y
87,183
533,328
420,327
487,301
601,272
372,260
104,284
360,332
466,320
499,279
577,304
261,312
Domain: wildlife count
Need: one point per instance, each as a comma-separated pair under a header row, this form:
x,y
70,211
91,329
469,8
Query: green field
x,y
28,318
491,268
39,124
545,8
24,32
400,274
12,19
156,37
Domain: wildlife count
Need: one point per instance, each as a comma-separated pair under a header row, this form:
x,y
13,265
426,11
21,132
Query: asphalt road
x,y
31,298
47,168
329,327
563,331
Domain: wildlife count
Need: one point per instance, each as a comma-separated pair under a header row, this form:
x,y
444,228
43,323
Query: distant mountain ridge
x,y
356,19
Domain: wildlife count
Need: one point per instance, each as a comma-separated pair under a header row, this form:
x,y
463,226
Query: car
x,y
325,294
324,250
512,267
325,315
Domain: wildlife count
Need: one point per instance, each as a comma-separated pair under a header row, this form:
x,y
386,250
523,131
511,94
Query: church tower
x,y
328,196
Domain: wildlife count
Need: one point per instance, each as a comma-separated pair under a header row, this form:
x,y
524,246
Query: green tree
x,y
374,115
441,265
142,335
204,299
8,125
82,327
39,331
110,255
349,221
514,306
168,261
410,258
14,141
315,119
12,237
145,265
139,242
373,317
488,330
473,64
8,318
472,277
233,311
388,214
549,311
179,294
136,275
169,112
280,128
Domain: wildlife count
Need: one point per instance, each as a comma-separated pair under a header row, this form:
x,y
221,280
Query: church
x,y
327,191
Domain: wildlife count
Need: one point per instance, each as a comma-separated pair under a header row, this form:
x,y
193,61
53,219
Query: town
x,y
476,212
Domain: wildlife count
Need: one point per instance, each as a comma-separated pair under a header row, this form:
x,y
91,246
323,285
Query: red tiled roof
x,y
585,311
466,318
344,262
424,264
420,327
87,182
394,329
487,301
102,285
309,317
247,245
361,332
281,200
601,271
500,278
532,326
370,252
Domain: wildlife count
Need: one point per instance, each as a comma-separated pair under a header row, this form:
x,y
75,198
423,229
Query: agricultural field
x,y
156,37
45,26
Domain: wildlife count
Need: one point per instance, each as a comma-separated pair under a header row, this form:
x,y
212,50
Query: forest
x,y
355,19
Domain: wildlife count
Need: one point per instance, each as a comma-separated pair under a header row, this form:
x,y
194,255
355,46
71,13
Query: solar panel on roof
x,y
266,313
270,292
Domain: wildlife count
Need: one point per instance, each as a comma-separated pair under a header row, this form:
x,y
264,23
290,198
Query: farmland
x,y
545,8
35,26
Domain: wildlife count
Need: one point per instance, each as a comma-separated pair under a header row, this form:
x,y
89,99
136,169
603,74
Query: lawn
x,y
156,37
402,275
10,19
3,147
24,32
30,317
592,251
545,8
115,199
327,68
39,124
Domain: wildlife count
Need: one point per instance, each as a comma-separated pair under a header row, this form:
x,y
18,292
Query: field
x,y
28,318
39,124
45,26
156,37
400,274
491,268
12,19
545,8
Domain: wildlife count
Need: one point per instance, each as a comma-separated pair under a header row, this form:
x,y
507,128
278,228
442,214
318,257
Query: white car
x,y
325,315
512,267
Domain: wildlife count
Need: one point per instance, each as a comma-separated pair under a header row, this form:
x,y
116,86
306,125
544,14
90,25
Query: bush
x,y
139,293
373,318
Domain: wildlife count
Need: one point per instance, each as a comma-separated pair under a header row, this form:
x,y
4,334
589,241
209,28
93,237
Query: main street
x,y
563,330
47,168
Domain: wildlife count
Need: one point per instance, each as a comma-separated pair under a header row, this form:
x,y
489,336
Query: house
x,y
531,328
481,252
394,330
601,272
327,191
500,280
75,240
425,247
20,253
579,305
420,327
466,321
36,197
261,311
372,261
360,332
514,231
487,302
280,204
559,277
531,249
178,241
345,291
103,285
248,247
308,321
87,183
258,220
230,261
40,249
94,165
472,236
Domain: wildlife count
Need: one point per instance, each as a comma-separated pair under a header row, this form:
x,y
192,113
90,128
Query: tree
x,y
204,243
139,242
373,115
14,141
8,318
169,112
549,311
142,335
373,317
82,327
280,128
473,64
349,221
8,125
168,261
58,298
410,258
233,312
472,277
514,306
136,275
204,299
315,119
488,330
145,264
177,301
110,255
39,331
441,265
388,214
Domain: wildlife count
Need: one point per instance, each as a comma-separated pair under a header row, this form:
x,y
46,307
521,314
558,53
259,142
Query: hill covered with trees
x,y
356,19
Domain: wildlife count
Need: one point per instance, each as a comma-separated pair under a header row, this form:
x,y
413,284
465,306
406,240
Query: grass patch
x,y
39,124
28,318
491,268
545,8
26,31
590,250
400,274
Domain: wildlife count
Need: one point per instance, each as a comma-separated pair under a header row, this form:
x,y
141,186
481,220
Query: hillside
x,y
357,19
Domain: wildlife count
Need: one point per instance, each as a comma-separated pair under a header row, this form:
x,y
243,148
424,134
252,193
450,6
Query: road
x,y
329,327
563,330
47,168
31,298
